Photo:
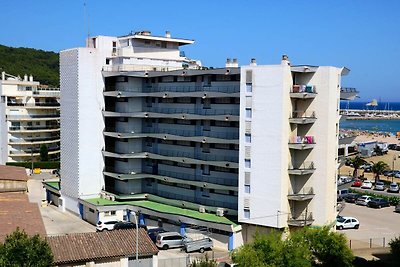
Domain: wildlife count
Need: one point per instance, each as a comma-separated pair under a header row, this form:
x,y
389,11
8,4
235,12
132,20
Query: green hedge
x,y
42,165
393,200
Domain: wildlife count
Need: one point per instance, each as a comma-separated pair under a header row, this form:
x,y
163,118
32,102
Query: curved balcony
x,y
38,105
34,141
302,169
28,153
305,193
303,92
36,129
44,117
302,117
301,220
302,142
197,111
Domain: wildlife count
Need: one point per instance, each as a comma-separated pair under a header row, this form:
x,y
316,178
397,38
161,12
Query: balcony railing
x,y
27,117
178,89
40,104
302,142
36,139
199,156
303,219
303,168
305,193
198,111
302,117
30,128
29,151
303,91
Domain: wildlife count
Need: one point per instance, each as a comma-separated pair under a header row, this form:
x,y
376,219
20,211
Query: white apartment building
x,y
147,130
29,118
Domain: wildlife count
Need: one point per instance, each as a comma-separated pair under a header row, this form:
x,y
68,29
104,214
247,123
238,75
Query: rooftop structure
x,y
29,118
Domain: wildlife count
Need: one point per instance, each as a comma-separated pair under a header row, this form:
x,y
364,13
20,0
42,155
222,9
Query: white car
x,y
366,184
108,225
363,200
347,223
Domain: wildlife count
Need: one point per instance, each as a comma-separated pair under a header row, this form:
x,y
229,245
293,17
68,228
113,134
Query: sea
x,y
392,126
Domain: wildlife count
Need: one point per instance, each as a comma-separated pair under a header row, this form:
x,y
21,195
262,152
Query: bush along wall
x,y
42,165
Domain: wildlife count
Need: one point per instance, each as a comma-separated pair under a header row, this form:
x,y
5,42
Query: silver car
x,y
363,200
169,240
380,186
394,187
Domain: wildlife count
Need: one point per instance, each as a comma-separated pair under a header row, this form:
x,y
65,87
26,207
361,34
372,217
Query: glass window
x,y
247,163
206,169
247,138
249,88
248,113
246,213
247,189
205,192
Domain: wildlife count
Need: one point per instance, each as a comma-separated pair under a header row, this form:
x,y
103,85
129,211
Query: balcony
x,y
301,220
30,129
33,117
303,92
36,140
34,152
37,105
302,142
302,169
197,111
302,117
304,194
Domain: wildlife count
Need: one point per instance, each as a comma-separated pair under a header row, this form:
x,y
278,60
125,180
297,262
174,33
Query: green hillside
x,y
43,65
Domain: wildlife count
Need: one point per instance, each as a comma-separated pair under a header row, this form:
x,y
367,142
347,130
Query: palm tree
x,y
356,163
378,169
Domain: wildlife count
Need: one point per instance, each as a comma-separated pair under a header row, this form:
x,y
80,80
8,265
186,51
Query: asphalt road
x,y
377,226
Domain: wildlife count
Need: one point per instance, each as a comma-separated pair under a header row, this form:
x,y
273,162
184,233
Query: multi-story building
x,y
30,115
228,149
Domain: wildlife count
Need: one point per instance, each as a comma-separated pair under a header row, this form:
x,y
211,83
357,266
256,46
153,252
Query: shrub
x,y
42,165
395,247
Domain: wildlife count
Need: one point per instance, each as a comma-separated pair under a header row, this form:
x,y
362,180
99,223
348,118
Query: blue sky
x,y
360,34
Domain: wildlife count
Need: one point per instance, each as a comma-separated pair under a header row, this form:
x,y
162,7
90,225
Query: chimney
x,y
168,34
228,63
235,63
25,78
285,60
253,62
3,75
31,78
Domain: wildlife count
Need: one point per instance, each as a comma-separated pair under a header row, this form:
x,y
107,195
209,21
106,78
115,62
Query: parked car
x,y
363,200
154,232
392,146
56,172
366,185
127,225
347,223
357,183
341,193
378,203
380,186
107,225
169,240
198,245
394,188
351,197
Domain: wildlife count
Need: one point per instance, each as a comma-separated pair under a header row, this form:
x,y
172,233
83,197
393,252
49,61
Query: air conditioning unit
x,y
108,197
202,209
220,212
112,198
102,195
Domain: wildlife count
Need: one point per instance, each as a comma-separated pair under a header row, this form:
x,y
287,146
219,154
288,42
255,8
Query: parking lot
x,y
377,226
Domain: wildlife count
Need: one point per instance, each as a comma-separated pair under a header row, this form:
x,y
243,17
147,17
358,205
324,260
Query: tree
x,y
205,262
306,247
44,153
20,250
356,162
272,250
395,247
378,169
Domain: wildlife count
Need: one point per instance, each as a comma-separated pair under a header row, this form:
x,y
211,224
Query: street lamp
x,y
394,159
137,238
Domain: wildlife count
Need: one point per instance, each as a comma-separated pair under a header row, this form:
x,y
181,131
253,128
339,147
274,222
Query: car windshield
x,y
340,219
379,183
393,185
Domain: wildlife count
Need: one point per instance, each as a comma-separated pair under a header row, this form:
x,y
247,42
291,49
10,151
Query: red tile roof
x,y
17,211
84,247
13,173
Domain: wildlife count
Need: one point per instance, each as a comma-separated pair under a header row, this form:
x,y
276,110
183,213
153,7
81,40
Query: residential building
x,y
225,149
29,118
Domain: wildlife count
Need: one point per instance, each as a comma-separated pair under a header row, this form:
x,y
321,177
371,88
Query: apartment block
x,y
150,132
29,119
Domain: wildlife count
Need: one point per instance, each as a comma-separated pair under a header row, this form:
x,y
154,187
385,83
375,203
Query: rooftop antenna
x,y
86,15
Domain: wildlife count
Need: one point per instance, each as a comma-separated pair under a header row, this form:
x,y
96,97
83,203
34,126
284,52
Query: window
x,y
206,148
113,212
206,125
206,169
247,138
205,192
247,163
249,88
38,123
107,61
246,213
247,188
29,123
91,210
248,113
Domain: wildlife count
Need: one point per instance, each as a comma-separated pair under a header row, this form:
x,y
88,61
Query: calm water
x,y
392,126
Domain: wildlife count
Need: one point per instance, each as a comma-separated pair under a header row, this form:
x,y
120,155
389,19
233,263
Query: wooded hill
x,y
43,65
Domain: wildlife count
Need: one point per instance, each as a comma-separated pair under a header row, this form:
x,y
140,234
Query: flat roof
x,y
13,173
180,41
164,208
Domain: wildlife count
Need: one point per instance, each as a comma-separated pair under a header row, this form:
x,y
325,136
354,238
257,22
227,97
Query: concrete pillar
x,y
81,211
346,150
183,229
230,242
142,219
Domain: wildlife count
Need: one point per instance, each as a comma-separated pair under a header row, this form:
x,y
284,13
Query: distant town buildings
x,y
148,132
29,118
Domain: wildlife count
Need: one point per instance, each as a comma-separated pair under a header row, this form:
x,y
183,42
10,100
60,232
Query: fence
x,y
377,242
